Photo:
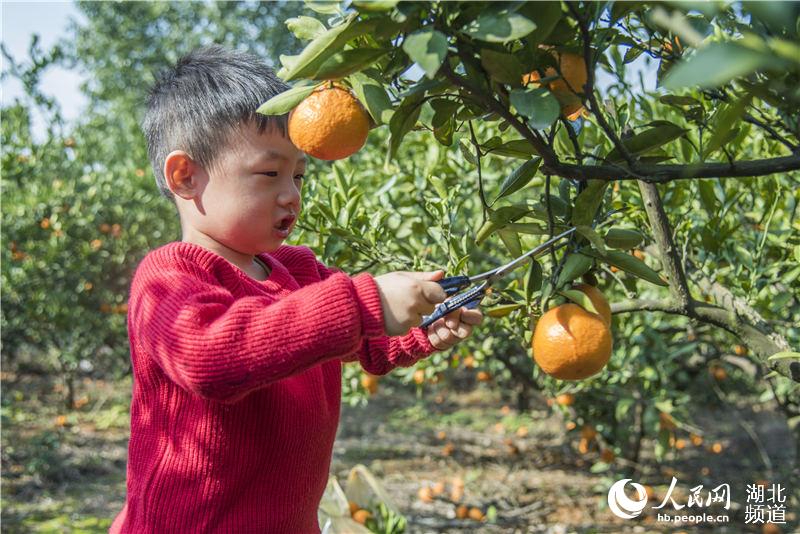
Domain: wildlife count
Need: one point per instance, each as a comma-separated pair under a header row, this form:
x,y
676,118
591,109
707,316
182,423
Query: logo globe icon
x,y
621,505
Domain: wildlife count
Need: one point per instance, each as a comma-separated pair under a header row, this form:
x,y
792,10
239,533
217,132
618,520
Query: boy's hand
x,y
406,297
453,327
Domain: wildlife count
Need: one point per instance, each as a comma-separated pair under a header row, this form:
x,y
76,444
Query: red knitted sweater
x,y
237,387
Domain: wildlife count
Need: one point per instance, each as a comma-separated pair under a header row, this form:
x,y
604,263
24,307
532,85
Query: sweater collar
x,y
279,277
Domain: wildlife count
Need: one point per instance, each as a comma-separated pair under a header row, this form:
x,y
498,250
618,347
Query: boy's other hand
x,y
453,327
406,297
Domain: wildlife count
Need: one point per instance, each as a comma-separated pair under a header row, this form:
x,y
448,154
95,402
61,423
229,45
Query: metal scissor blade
x,y
513,264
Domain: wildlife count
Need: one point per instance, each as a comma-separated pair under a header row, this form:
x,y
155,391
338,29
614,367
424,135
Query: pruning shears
x,y
452,285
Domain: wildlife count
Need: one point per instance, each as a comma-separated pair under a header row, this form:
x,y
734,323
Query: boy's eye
x,y
299,176
270,173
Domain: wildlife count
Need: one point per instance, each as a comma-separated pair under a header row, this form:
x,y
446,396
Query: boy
x,y
237,341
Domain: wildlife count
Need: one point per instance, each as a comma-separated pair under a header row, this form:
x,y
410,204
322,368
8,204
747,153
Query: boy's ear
x,y
181,174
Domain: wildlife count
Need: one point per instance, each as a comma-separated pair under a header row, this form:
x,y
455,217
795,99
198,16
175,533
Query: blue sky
x,y
49,20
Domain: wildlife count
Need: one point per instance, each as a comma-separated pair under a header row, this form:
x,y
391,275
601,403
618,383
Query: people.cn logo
x,y
621,504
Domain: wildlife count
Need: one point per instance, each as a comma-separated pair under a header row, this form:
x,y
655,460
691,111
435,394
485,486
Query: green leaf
x,y
375,5
499,27
623,238
305,28
510,239
444,111
580,298
505,68
629,264
587,202
486,229
403,120
516,148
438,185
427,48
519,178
317,51
530,228
785,355
723,122
533,282
719,63
631,54
545,15
593,237
348,62
679,101
708,196
538,105
371,93
575,266
286,101
503,310
648,140
324,7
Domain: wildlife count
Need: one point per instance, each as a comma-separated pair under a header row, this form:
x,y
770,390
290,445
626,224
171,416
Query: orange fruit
x,y
353,507
607,456
483,376
456,493
566,88
441,435
329,124
425,494
45,224
475,514
448,449
583,446
370,383
680,443
565,399
469,361
419,376
719,373
438,488
462,512
570,425
716,447
740,350
361,516
638,254
571,343
588,432
665,421
598,301
696,440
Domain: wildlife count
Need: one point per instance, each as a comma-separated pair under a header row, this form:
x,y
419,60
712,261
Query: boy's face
x,y
249,199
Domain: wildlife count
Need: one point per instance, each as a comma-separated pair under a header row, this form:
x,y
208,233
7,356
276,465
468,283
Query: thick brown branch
x,y
667,173
662,232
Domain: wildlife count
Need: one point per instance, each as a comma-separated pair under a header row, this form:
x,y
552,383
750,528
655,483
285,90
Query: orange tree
x,y
497,134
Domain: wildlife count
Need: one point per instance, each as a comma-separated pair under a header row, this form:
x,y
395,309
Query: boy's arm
x,y
379,355
221,347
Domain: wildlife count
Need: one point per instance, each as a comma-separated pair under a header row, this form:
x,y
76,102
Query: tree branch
x,y
670,259
761,345
668,173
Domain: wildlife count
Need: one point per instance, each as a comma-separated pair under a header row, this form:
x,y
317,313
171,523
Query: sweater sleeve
x,y
221,348
379,355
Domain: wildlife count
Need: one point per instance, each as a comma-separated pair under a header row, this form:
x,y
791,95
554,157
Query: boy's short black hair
x,y
196,105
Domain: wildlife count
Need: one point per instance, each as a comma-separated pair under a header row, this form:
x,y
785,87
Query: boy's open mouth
x,y
284,225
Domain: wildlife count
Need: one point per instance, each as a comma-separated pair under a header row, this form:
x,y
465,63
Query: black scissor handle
x,y
469,299
454,284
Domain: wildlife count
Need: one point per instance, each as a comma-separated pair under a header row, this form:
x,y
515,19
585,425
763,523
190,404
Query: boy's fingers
x,y
444,333
473,317
434,339
463,331
433,292
425,275
452,319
